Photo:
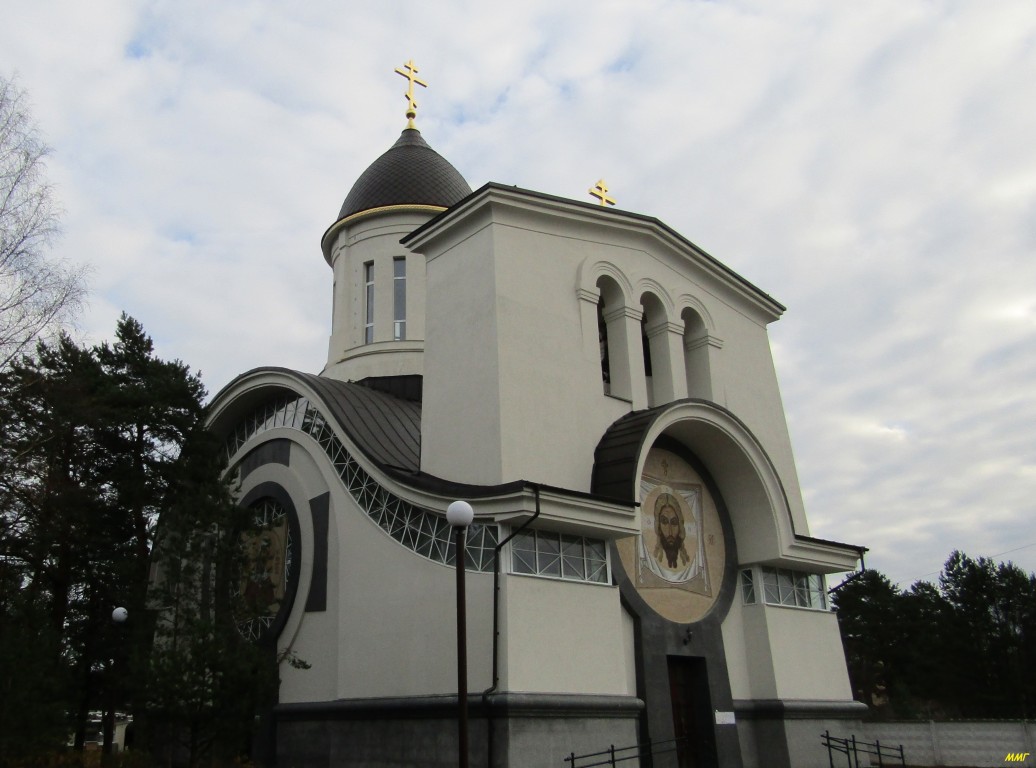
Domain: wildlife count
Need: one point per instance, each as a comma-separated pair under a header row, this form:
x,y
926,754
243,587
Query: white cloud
x,y
869,165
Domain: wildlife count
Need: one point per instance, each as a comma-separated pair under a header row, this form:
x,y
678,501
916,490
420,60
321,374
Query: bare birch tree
x,y
38,292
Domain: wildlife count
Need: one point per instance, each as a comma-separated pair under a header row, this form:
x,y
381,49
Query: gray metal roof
x,y
387,429
409,173
617,453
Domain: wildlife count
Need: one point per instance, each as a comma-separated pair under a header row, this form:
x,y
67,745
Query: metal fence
x,y
852,749
615,755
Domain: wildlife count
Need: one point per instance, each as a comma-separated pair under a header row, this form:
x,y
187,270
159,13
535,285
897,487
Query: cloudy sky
x,y
870,165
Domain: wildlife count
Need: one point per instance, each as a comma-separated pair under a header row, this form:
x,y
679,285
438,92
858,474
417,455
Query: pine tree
x,y
49,501
964,648
90,448
108,473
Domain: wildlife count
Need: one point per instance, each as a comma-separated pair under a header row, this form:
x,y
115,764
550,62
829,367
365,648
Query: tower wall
x,y
375,240
514,388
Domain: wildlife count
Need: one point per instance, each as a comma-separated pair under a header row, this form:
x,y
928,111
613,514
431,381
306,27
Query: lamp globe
x,y
460,514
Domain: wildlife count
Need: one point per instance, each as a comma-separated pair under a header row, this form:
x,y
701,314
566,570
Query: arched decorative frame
x,y
269,634
687,301
728,585
589,273
646,285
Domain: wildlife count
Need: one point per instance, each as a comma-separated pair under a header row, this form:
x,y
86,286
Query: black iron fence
x,y
852,749
615,755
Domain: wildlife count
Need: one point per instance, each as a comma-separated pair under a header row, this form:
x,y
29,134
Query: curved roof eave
x,y
386,429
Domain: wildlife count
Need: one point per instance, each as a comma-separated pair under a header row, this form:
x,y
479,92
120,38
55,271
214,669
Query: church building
x,y
602,392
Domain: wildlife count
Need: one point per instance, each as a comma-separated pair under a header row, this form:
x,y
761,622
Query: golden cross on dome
x,y
600,190
411,76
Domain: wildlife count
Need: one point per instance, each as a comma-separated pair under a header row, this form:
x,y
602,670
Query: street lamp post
x,y
459,515
119,616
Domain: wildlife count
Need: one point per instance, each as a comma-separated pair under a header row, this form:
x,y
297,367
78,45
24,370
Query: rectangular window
x,y
572,559
786,587
399,298
786,582
596,554
747,586
560,556
548,555
771,592
368,283
817,591
802,590
523,552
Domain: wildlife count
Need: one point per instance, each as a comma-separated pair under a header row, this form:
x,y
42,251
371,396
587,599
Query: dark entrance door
x,y
692,712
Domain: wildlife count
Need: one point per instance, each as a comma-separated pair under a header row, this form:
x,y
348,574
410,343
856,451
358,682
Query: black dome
x,y
409,173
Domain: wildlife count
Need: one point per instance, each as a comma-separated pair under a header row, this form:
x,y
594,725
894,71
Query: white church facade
x,y
602,392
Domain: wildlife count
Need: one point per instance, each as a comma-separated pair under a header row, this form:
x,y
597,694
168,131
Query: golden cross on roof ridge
x,y
600,190
410,75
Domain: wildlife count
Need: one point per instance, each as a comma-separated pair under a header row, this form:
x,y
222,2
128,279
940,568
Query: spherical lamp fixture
x,y
460,514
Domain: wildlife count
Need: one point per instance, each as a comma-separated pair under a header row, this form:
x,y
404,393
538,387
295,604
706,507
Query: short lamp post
x,y
459,515
119,617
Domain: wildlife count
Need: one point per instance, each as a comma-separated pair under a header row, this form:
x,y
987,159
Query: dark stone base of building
x,y
787,734
505,730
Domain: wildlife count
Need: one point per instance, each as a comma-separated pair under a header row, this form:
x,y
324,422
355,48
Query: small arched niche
x,y
696,345
613,338
654,331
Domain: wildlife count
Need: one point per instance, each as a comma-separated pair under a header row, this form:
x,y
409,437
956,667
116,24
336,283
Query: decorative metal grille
x,y
419,530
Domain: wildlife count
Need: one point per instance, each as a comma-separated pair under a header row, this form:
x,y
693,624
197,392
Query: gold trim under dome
x,y
417,207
